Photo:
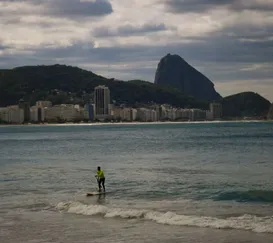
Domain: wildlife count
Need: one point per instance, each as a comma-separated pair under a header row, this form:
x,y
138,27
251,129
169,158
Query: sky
x,y
229,41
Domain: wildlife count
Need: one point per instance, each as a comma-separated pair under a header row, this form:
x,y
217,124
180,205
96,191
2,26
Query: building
x,y
43,103
12,114
4,114
115,112
89,112
37,114
197,115
146,115
159,112
64,112
126,114
216,110
134,114
102,101
26,108
209,115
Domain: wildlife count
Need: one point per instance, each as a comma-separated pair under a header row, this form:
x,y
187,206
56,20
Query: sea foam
x,y
244,222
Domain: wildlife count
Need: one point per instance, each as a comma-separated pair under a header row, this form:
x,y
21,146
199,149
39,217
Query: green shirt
x,y
100,174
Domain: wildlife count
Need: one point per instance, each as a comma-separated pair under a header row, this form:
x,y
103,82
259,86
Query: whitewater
x,y
245,222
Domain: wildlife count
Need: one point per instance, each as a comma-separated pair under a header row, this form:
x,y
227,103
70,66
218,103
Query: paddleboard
x,y
94,193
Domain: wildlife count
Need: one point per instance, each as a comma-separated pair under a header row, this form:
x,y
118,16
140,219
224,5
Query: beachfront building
x,y
159,112
182,114
37,114
25,106
64,112
126,114
89,112
4,115
185,114
123,113
43,103
115,112
197,115
146,115
209,115
12,114
216,110
102,101
134,114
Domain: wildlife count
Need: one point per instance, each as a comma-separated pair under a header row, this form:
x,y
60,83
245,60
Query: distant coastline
x,y
137,123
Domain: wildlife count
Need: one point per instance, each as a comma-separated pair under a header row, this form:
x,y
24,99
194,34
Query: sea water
x,y
188,182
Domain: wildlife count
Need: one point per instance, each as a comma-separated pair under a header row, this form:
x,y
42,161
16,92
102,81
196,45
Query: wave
x,y
245,222
247,196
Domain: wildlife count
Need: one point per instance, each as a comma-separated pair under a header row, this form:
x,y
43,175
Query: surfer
x,y
100,178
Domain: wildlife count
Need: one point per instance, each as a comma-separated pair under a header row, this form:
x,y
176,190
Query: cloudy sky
x,y
230,41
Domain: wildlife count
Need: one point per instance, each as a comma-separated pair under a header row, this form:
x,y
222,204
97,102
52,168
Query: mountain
x,y
66,84
246,104
175,71
270,113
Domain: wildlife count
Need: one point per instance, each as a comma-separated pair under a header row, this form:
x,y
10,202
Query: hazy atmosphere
x,y
230,41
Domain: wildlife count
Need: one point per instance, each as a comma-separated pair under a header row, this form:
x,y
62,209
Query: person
x,y
100,178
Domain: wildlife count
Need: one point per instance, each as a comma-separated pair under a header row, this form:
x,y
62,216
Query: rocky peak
x,y
173,70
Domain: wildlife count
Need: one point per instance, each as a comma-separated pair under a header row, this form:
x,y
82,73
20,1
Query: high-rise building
x,y
216,110
26,108
89,111
102,101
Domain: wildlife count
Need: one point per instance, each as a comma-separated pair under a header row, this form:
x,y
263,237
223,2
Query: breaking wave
x,y
245,222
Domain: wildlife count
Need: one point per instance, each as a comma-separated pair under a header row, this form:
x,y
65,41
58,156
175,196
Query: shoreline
x,y
136,123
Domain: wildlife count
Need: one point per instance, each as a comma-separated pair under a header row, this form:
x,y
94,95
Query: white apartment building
x,y
170,114
197,115
37,114
4,114
126,114
146,115
66,112
134,114
12,114
43,103
115,112
185,114
209,115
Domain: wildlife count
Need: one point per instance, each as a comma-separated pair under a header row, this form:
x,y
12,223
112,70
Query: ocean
x,y
170,182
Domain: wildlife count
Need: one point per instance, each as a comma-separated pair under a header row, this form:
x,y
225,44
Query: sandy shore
x,y
137,123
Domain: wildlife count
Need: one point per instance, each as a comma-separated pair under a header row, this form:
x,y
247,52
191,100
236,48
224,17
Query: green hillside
x,y
246,104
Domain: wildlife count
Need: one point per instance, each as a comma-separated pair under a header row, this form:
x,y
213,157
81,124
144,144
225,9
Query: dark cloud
x,y
197,6
128,30
70,8
74,8
184,6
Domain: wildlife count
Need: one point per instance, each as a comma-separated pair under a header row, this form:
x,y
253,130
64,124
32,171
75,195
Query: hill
x,y
66,84
246,104
175,71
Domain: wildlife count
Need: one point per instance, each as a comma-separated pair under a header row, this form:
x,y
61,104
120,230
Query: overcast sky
x,y
229,41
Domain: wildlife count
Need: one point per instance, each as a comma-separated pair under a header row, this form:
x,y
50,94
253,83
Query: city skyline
x,y
102,109
228,41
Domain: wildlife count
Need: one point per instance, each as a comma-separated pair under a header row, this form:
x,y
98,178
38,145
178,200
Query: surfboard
x,y
94,193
